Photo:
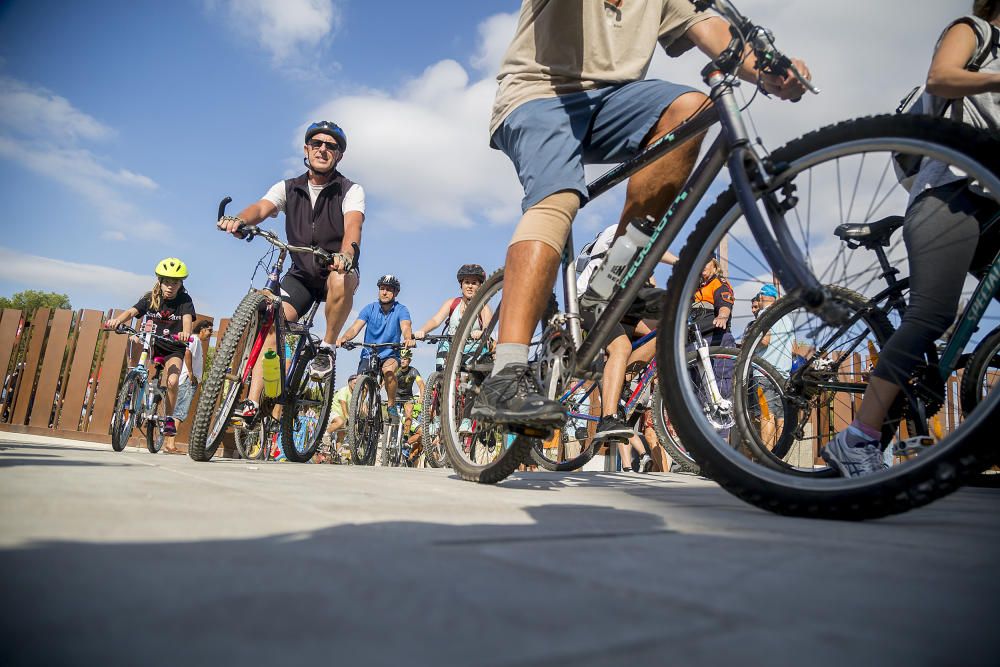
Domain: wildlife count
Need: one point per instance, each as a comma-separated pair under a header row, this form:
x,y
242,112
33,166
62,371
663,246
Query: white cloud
x,y
37,112
423,152
495,34
82,280
284,28
32,117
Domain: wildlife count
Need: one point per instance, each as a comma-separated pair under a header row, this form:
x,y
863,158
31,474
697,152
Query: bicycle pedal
x,y
912,446
531,431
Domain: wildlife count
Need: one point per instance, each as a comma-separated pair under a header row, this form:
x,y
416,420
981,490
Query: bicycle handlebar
x,y
350,345
435,338
769,59
125,329
248,232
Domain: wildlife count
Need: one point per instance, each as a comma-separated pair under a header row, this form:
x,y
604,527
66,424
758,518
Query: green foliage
x,y
31,300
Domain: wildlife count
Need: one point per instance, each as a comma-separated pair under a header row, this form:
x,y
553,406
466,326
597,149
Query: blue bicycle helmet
x,y
768,290
326,127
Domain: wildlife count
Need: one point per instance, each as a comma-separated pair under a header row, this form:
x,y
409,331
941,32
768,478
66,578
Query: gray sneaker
x,y
322,364
853,456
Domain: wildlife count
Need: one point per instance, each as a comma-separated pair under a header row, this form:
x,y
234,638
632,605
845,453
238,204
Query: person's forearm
x,y
953,82
252,214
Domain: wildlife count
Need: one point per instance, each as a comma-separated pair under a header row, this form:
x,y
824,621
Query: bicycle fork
x,y
718,409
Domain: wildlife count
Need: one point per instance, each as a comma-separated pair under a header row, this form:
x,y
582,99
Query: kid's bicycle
x,y
142,399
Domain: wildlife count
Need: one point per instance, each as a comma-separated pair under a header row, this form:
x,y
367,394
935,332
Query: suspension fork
x,y
705,370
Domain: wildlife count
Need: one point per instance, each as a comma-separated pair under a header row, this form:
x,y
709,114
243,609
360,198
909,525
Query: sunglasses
x,y
328,145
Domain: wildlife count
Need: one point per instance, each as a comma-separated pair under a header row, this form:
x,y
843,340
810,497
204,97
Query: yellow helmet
x,y
171,267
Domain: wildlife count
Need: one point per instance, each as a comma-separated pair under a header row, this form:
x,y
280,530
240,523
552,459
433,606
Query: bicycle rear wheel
x,y
128,407
787,416
478,452
839,174
571,447
253,440
365,425
224,384
303,420
982,372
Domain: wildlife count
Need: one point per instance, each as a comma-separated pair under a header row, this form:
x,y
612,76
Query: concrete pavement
x,y
136,559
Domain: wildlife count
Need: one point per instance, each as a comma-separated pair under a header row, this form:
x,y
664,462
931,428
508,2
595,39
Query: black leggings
x,y
942,234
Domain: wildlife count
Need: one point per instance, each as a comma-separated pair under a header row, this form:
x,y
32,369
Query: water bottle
x,y
617,261
272,374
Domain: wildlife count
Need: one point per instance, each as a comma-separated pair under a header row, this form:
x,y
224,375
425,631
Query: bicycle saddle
x,y
869,234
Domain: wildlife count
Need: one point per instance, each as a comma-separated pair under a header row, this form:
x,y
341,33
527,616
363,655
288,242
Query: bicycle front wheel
x,y
224,384
127,410
366,421
839,175
435,453
303,420
478,452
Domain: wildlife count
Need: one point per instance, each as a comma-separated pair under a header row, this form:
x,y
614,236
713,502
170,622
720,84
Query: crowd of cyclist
x,y
323,208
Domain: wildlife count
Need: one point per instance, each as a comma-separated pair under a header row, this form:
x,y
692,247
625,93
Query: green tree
x,y
31,300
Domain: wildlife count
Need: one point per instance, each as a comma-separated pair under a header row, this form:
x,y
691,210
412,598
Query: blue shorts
x,y
549,140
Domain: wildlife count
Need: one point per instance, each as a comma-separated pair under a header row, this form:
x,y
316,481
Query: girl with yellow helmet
x,y
168,311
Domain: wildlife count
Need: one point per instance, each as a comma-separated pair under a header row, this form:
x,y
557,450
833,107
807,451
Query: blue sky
x,y
122,124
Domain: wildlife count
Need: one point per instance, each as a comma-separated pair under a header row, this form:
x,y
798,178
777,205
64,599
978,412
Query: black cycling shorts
x,y
647,305
301,291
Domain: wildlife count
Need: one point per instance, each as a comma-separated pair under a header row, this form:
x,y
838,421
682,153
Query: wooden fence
x,y
62,373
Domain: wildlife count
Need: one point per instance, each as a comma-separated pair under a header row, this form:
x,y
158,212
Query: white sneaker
x,y
645,463
853,454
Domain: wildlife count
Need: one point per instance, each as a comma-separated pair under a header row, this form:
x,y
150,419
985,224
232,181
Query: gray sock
x,y
509,353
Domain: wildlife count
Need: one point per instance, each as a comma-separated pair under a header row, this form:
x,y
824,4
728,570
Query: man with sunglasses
x,y
322,208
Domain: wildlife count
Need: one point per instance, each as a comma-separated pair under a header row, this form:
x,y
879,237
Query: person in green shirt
x,y
340,408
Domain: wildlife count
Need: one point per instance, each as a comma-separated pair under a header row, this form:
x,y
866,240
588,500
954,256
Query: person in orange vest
x,y
713,305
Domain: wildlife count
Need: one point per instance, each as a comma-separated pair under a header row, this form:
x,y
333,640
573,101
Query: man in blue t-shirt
x,y
384,321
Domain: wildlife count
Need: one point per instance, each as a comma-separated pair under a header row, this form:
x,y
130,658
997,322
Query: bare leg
x,y
614,374
389,377
652,190
171,373
339,299
528,280
879,397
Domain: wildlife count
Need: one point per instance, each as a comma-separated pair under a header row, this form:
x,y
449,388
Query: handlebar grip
x,y
222,206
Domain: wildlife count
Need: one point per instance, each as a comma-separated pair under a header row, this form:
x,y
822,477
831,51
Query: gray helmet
x,y
389,280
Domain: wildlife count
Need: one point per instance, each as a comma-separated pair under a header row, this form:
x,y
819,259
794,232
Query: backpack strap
x,y
451,311
987,40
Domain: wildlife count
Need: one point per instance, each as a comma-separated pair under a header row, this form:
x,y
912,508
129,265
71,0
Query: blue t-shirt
x,y
382,327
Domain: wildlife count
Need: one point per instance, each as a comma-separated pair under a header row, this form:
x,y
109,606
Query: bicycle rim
x,y
478,452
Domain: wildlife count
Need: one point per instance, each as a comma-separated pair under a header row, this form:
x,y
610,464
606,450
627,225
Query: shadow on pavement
x,y
577,585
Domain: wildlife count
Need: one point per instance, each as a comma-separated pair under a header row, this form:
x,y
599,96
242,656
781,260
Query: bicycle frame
x,y
968,323
730,149
282,327
644,379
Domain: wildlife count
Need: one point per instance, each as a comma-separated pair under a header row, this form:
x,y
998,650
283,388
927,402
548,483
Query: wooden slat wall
x,y
8,336
52,364
39,324
843,401
88,326
110,375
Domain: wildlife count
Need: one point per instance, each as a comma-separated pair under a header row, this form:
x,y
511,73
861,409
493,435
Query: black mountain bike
x,y
365,423
303,401
774,217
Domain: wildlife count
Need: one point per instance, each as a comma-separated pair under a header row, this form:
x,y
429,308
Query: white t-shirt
x,y
197,361
780,349
354,200
586,262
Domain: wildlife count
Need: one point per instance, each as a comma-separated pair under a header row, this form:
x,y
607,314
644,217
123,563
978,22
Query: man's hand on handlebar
x,y
341,262
788,86
231,224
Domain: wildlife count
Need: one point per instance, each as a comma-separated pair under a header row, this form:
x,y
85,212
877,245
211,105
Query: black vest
x,y
321,225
